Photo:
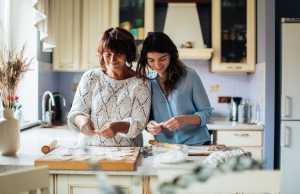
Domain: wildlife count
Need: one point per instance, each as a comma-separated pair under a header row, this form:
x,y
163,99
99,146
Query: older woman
x,y
111,103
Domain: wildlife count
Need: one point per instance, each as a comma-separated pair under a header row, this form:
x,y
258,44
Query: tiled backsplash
x,y
248,86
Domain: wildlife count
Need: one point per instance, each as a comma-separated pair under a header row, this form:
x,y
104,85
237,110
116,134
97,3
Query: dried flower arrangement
x,y
13,65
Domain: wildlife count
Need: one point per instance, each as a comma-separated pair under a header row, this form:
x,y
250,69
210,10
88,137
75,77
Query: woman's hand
x,y
178,121
85,125
174,123
154,128
107,131
110,130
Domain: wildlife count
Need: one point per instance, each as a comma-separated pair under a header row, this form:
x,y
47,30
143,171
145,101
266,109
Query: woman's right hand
x,y
85,125
154,128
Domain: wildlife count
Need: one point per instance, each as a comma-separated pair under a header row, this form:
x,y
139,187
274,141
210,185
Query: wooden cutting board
x,y
104,158
193,150
204,150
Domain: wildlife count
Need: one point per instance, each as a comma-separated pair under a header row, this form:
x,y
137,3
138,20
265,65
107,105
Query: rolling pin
x,y
48,148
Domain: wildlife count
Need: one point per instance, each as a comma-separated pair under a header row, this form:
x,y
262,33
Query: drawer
x,y
256,152
240,138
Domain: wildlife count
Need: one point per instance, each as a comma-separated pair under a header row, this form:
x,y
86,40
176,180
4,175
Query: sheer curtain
x,y
4,39
4,23
44,23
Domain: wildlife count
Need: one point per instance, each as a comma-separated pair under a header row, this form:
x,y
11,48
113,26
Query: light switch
x,y
215,88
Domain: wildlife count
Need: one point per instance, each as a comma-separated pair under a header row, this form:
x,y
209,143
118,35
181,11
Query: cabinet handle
x,y
287,106
287,134
241,134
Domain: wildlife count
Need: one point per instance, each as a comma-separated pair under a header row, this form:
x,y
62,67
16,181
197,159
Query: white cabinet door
x,y
82,184
240,138
251,141
96,19
67,35
290,147
290,71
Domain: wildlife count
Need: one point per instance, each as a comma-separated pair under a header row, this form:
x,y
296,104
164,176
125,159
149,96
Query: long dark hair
x,y
160,42
119,41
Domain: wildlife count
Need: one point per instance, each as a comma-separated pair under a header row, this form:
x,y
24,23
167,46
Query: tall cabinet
x,y
79,25
234,36
95,20
67,15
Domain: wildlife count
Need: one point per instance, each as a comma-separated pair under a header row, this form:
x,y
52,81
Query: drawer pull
x,y
286,141
242,134
287,106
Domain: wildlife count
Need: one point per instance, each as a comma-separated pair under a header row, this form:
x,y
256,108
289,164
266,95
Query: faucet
x,y
47,116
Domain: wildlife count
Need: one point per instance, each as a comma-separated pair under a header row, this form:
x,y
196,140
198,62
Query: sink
x,y
29,124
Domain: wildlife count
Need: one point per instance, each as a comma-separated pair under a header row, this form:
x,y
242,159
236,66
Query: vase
x,y
9,134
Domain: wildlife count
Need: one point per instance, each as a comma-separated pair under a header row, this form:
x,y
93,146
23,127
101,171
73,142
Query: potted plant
x,y
13,65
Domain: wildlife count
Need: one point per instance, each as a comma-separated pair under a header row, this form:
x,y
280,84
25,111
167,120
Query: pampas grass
x,y
13,65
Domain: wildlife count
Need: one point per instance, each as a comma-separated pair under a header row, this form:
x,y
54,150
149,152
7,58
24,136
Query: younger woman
x,y
180,107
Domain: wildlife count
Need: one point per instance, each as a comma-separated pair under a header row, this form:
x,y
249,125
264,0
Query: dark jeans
x,y
207,143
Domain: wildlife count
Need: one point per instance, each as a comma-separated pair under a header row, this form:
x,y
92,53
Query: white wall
x,y
22,31
4,23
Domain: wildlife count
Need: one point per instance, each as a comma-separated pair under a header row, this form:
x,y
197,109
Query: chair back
x,y
26,180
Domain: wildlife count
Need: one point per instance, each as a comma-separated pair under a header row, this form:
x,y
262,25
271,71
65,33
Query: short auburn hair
x,y
118,40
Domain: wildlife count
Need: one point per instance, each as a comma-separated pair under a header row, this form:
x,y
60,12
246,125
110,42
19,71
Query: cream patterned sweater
x,y
104,100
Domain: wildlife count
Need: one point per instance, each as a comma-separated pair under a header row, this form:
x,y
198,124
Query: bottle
x,y
233,110
241,112
235,101
247,110
257,114
250,113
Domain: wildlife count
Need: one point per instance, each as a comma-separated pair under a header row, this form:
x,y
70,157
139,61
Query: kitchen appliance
x,y
290,105
59,109
235,102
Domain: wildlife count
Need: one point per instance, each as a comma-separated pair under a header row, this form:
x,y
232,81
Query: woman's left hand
x,y
174,123
107,131
110,130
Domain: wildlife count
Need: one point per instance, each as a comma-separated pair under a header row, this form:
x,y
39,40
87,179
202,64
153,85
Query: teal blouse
x,y
189,97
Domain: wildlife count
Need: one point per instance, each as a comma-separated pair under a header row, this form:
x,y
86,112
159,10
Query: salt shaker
x,y
257,114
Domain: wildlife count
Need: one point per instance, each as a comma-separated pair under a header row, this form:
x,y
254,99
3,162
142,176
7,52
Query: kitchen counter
x,y
32,140
228,125
144,180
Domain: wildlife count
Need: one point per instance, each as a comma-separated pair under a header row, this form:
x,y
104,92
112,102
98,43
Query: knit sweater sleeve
x,y
140,110
82,99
